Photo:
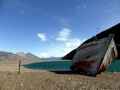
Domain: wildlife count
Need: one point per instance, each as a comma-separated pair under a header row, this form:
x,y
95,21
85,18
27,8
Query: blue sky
x,y
53,27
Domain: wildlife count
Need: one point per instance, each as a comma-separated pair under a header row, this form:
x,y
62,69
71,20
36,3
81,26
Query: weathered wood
x,y
19,66
93,57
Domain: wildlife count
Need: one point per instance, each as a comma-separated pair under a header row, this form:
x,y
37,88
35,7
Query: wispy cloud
x,y
69,42
63,34
42,36
65,37
61,50
73,43
44,55
66,43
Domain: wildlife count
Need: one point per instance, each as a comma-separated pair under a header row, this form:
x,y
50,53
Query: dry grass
x,y
43,80
50,81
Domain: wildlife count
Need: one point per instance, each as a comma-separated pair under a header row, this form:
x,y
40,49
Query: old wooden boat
x,y
94,57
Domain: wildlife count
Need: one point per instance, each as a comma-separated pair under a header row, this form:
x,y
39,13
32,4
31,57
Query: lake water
x,y
114,67
51,65
62,65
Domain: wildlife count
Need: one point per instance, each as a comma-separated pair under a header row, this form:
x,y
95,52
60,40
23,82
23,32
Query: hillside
x,y
12,57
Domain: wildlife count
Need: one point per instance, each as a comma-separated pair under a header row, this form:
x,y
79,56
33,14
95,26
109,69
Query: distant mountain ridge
x,y
25,57
7,55
3,53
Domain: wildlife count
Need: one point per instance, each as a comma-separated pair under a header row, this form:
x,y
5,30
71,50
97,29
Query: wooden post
x,y
19,67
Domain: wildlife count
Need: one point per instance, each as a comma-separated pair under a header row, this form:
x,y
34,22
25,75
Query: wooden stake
x,y
19,67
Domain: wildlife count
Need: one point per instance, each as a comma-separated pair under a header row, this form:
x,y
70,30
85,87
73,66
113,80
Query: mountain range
x,y
24,57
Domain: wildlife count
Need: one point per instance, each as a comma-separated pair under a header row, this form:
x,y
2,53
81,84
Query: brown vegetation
x,y
51,81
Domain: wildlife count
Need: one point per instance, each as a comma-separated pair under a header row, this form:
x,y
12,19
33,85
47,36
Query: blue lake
x,y
65,66
115,66
50,65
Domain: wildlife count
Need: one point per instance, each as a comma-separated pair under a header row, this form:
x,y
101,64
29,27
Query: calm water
x,y
114,67
51,65
65,66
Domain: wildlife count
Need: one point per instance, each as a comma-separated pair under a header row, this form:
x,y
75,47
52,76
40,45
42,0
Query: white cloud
x,y
42,36
44,55
64,34
61,50
69,43
66,44
51,54
73,43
